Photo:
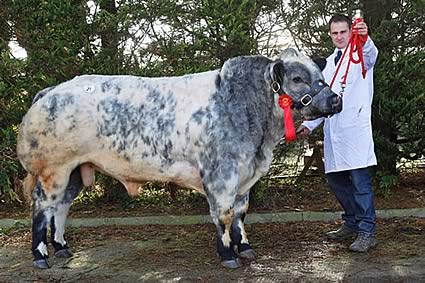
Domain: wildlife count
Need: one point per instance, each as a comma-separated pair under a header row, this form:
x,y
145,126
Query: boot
x,y
363,242
342,233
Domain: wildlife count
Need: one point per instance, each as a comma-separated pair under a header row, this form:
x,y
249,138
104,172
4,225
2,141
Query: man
x,y
348,143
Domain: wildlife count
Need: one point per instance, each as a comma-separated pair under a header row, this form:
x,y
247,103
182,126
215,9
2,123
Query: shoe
x,y
363,242
342,233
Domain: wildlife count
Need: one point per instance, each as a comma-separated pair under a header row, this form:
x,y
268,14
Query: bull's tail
x,y
28,185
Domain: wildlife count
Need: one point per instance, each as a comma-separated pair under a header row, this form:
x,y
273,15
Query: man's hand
x,y
303,130
361,28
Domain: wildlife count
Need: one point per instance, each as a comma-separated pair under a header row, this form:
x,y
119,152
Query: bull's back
x,y
122,116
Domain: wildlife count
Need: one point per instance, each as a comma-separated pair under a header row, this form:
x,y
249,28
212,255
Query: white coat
x,y
348,142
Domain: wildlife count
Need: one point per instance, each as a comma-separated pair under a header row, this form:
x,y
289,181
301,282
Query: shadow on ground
x,y
292,252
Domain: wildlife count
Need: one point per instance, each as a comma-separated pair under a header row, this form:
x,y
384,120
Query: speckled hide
x,y
213,132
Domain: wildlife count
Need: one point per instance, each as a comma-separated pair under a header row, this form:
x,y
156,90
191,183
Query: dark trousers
x,y
353,190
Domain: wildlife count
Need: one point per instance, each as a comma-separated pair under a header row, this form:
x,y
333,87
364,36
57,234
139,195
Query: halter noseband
x,y
307,98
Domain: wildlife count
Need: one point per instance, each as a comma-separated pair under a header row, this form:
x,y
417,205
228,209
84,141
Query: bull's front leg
x,y
221,186
239,236
222,218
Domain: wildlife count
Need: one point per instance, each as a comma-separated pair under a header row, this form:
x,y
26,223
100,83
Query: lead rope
x,y
355,44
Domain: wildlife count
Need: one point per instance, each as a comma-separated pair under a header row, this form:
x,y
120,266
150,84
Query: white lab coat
x,y
348,142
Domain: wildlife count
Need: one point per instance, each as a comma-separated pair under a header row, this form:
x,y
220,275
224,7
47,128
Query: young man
x,y
348,143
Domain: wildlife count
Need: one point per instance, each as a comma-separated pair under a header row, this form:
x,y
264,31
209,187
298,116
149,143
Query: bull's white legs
x,y
54,212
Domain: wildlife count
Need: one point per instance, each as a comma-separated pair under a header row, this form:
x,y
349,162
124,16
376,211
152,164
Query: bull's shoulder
x,y
245,103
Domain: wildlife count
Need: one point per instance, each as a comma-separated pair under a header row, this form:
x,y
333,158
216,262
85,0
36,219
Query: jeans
x,y
353,190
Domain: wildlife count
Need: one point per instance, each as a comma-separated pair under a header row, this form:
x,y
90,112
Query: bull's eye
x,y
297,80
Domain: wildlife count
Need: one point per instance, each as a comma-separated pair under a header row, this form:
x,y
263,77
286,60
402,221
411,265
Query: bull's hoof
x,y
41,264
232,263
65,253
248,254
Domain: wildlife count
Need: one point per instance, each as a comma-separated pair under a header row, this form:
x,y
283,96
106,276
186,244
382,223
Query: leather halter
x,y
307,98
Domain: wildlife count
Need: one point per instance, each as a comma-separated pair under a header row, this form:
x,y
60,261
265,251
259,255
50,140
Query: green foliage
x,y
12,107
9,169
53,33
203,34
400,90
386,183
258,192
17,226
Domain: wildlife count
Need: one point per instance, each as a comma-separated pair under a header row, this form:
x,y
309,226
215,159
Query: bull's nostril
x,y
335,100
336,104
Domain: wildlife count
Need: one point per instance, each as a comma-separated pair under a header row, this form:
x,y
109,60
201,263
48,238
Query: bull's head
x,y
301,78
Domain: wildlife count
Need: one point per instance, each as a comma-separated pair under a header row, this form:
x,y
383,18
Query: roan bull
x,y
213,132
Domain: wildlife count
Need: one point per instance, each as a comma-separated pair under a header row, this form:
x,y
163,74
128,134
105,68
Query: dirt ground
x,y
286,252
290,252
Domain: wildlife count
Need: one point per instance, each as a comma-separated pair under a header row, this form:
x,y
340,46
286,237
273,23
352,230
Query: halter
x,y
305,100
285,102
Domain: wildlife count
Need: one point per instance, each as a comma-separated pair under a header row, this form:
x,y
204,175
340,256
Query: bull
x,y
213,132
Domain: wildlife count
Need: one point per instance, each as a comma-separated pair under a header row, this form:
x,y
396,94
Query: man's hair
x,y
339,18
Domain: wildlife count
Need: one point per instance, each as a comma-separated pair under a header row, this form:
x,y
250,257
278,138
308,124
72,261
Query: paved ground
x,y
287,252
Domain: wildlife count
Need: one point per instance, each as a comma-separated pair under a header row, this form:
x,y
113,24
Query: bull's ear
x,y
321,62
277,71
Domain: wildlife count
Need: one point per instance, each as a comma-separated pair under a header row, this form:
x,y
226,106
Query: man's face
x,y
340,34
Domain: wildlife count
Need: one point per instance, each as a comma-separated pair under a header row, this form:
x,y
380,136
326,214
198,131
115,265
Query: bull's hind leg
x,y
239,236
47,206
57,223
40,220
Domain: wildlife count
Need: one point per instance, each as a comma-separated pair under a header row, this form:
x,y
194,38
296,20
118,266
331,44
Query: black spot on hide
x,y
42,93
34,144
111,86
38,193
149,123
198,116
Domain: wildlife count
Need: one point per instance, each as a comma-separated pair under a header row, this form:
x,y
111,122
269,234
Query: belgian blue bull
x,y
213,132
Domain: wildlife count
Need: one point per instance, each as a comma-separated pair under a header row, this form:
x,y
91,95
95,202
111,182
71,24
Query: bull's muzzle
x,y
335,101
331,103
